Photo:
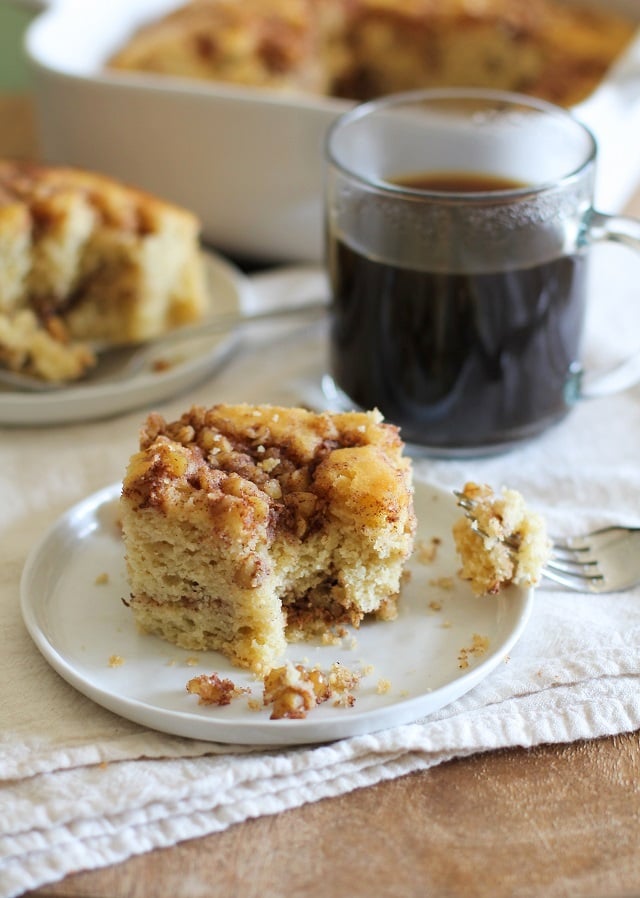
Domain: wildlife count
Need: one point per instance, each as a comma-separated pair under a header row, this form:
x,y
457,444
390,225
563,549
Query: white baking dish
x,y
248,162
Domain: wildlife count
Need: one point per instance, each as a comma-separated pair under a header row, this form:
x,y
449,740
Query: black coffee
x,y
457,360
457,181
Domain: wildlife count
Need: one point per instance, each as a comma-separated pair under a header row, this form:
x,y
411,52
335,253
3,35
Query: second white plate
x,y
444,641
190,362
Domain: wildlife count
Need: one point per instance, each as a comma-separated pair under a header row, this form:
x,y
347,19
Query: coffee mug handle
x,y
613,229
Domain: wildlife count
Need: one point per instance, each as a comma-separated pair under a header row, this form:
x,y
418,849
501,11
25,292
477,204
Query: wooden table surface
x,y
551,821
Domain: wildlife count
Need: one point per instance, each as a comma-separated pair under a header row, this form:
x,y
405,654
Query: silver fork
x,y
605,560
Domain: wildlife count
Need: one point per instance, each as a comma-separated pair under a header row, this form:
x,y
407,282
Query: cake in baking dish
x,y
359,49
84,257
248,526
504,542
263,43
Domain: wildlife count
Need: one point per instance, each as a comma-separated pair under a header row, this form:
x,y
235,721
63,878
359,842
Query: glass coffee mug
x,y
459,224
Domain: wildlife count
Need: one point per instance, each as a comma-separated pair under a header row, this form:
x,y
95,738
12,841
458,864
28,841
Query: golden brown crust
x,y
248,42
118,205
294,461
360,49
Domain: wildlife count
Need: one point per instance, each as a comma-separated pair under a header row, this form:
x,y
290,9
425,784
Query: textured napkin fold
x,y
82,788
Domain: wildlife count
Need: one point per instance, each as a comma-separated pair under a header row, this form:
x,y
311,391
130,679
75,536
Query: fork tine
x,y
589,570
580,583
567,549
595,540
464,501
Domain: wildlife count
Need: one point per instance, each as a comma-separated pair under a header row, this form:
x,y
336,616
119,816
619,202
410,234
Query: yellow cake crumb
x,y
116,661
504,543
211,689
479,646
293,690
443,583
427,552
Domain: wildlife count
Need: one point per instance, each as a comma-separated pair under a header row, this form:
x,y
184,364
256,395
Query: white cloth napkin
x,y
82,788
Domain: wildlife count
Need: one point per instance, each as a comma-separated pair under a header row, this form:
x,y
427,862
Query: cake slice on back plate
x,y
84,257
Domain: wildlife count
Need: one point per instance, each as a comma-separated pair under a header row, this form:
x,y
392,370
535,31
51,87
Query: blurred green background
x,y
14,75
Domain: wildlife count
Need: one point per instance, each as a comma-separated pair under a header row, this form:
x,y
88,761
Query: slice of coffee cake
x,y
247,526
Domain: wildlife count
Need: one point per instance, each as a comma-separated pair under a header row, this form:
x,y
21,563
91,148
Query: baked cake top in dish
x,y
253,42
360,49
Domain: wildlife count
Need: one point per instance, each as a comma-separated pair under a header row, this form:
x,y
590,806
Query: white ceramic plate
x,y
79,624
189,363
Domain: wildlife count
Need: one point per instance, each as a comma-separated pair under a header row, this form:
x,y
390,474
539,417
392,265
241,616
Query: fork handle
x,y
222,324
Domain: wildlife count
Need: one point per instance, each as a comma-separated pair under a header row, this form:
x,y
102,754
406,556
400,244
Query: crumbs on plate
x,y
116,661
447,583
214,690
426,552
292,690
479,646
161,365
339,636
